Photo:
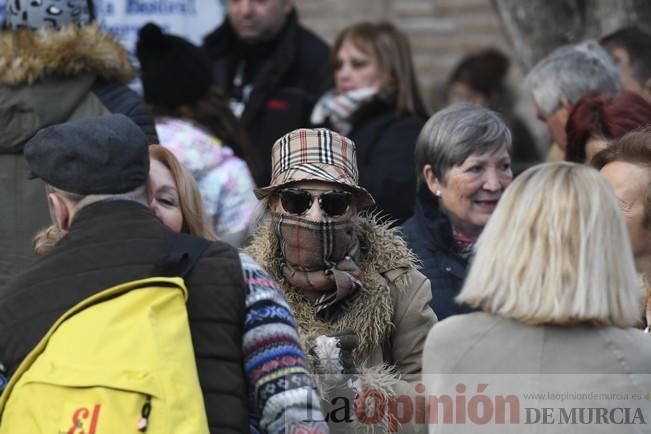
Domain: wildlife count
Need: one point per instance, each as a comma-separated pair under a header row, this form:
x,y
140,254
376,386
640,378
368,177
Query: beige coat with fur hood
x,y
391,316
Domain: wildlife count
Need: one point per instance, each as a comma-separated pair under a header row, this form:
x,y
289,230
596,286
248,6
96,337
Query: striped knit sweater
x,y
282,392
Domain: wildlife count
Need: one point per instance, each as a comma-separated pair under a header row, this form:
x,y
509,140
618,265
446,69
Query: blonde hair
x,y
556,251
195,220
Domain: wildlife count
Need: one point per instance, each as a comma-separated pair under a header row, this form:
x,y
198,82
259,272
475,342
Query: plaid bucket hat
x,y
315,155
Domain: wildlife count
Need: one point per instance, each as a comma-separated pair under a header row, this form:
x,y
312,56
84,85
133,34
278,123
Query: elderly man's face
x,y
556,122
258,20
630,183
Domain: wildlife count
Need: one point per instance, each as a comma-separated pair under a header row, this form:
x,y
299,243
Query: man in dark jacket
x,y
246,345
272,69
66,70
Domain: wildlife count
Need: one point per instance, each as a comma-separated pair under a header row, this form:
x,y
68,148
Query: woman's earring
x,y
438,193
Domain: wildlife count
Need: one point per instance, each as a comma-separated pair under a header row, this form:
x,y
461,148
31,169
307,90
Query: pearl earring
x,y
438,193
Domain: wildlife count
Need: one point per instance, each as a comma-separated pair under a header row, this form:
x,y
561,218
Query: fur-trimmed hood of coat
x,y
26,56
386,265
370,316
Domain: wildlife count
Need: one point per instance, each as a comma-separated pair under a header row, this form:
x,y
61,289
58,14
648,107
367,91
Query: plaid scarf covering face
x,y
319,258
338,108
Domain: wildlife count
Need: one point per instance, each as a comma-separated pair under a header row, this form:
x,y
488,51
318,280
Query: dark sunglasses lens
x,y
295,201
336,203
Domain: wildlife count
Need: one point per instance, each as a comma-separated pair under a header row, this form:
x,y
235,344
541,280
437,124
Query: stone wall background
x,y
441,32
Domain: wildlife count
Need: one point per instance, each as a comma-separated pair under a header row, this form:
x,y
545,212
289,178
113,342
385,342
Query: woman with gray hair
x,y
555,278
463,157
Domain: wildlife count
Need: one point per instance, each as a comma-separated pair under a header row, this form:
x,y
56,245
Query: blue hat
x,y
98,155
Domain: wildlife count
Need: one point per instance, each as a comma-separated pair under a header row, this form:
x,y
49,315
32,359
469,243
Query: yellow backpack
x,y
118,362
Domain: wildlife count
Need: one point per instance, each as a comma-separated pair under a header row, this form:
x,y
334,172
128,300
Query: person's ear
x,y
566,106
564,103
59,211
564,110
433,183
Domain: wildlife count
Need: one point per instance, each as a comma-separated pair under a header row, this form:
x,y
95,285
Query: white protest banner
x,y
192,19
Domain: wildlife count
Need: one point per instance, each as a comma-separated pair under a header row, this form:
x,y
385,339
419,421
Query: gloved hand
x,y
333,354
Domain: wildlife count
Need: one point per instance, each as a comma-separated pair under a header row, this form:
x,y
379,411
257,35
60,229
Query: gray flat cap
x,y
98,155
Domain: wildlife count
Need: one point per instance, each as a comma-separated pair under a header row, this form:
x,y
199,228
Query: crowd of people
x,y
351,262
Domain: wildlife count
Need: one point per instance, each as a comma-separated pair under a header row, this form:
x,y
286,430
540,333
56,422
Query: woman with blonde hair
x,y
376,103
187,198
175,197
555,279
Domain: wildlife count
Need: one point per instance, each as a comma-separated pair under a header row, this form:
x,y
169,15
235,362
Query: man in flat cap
x,y
96,171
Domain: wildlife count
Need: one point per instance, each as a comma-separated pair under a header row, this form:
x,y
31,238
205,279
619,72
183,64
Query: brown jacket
x,y
391,316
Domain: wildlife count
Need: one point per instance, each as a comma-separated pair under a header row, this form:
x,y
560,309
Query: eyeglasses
x,y
299,201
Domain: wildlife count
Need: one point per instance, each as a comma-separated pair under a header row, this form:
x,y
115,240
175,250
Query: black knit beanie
x,y
174,72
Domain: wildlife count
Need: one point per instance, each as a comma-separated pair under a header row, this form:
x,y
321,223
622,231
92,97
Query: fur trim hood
x,y
385,261
27,56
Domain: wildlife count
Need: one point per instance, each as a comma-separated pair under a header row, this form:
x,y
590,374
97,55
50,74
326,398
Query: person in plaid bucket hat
x,y
361,307
316,155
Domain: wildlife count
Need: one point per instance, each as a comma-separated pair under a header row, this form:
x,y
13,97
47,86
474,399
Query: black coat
x,y
429,234
385,142
285,89
118,241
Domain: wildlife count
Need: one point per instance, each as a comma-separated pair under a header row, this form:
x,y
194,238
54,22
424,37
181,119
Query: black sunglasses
x,y
298,201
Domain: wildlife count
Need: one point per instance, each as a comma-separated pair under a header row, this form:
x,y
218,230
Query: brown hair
x,y
392,50
634,148
195,220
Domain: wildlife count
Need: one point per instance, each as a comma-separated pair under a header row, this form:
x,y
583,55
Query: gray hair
x,y
571,72
456,132
139,194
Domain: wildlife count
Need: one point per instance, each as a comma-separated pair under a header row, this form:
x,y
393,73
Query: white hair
x,y
556,250
571,72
